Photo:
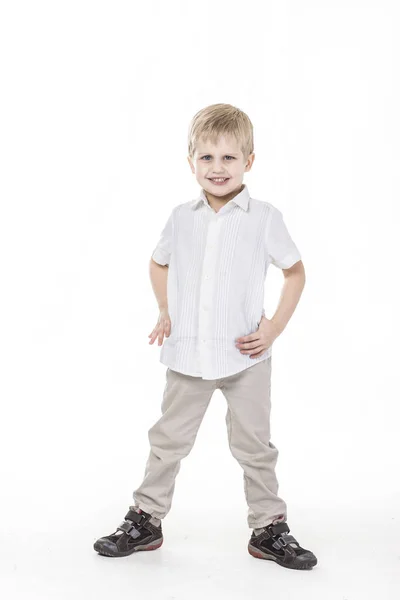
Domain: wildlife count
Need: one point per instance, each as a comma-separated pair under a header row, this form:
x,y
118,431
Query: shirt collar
x,y
241,199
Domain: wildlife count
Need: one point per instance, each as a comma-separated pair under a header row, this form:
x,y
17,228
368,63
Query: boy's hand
x,y
257,343
163,327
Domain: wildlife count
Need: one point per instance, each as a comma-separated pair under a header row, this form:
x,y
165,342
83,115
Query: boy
x,y
207,272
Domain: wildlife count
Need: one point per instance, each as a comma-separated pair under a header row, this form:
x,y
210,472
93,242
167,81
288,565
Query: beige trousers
x,y
185,401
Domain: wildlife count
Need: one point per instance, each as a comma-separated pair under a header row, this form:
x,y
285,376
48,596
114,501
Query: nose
x,y
218,167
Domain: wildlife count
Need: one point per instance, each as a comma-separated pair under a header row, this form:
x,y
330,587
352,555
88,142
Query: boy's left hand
x,y
258,342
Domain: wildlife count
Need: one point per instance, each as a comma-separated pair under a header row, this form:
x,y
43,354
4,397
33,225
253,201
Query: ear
x,y
191,164
250,161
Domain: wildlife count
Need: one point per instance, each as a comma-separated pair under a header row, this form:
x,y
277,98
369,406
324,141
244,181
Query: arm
x,y
284,254
269,329
159,267
158,277
291,291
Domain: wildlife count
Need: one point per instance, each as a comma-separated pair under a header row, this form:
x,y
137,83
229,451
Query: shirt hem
x,y
191,374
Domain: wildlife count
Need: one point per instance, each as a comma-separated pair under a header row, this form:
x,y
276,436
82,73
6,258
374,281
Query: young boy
x,y
207,272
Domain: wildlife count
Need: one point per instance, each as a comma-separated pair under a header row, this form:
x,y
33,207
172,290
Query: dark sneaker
x,y
274,543
135,533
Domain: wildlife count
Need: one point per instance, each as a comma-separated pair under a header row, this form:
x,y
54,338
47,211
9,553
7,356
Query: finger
x,y
253,337
258,354
153,337
249,345
257,348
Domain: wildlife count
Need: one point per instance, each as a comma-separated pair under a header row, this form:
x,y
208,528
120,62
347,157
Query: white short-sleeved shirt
x,y
218,262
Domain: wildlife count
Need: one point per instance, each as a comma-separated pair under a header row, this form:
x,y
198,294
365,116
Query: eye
x,y
227,156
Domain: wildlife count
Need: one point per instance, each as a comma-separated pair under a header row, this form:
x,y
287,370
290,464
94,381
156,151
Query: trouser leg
x,y
185,401
248,395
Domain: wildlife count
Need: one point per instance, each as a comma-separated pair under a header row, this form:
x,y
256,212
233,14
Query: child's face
x,y
225,159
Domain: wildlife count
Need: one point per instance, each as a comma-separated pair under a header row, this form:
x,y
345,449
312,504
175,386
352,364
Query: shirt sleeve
x,y
162,252
282,251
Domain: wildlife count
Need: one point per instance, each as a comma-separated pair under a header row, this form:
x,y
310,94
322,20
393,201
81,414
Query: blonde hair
x,y
219,119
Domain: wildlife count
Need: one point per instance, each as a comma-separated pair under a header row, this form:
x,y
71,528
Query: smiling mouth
x,y
218,179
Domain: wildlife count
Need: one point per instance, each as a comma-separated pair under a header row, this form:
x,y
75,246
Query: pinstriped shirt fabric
x,y
218,263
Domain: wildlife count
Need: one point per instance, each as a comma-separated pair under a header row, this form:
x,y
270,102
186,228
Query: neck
x,y
217,202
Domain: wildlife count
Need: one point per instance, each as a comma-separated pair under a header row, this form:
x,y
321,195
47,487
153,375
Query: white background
x,y
96,100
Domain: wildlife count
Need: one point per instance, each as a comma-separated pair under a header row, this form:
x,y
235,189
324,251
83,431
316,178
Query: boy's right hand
x,y
162,328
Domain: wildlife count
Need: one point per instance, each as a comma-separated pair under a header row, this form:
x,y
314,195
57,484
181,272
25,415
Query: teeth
x,y
219,179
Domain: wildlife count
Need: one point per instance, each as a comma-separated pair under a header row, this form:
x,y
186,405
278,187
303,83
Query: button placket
x,y
207,293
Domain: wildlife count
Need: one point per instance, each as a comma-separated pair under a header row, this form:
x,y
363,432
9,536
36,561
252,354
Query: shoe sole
x,y
257,553
106,552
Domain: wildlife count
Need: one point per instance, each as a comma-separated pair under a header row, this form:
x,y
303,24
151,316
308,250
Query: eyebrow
x,y
230,153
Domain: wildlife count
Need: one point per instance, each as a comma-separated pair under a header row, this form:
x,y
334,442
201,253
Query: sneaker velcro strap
x,y
281,542
278,528
134,516
129,529
289,539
